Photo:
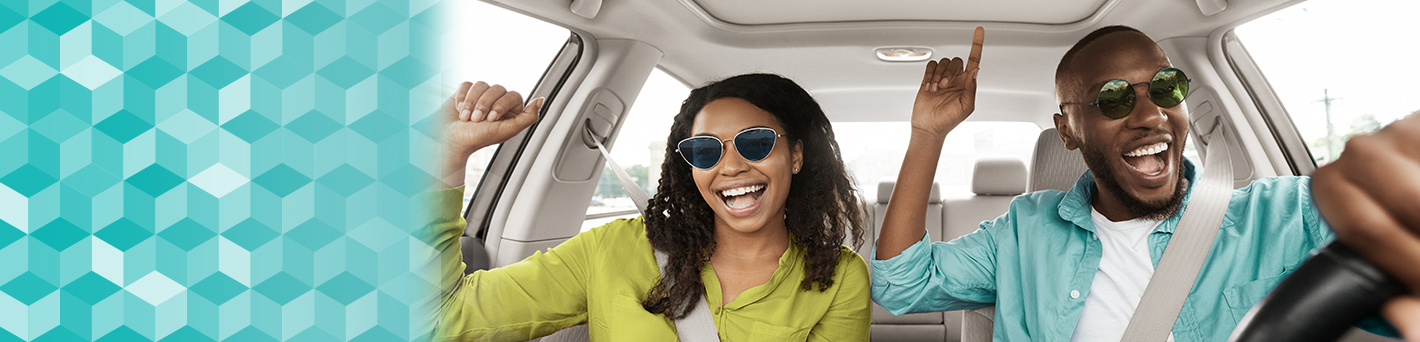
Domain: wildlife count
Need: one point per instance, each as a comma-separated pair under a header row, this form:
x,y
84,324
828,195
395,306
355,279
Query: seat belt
x,y
698,325
1178,268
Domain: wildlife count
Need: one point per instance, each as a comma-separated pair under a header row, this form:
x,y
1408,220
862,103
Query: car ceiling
x,y
827,46
757,12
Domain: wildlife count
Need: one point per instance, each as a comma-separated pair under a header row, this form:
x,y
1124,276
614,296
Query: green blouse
x,y
599,277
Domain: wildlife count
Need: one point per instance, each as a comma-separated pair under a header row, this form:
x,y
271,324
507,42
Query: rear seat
x,y
995,181
911,327
1052,167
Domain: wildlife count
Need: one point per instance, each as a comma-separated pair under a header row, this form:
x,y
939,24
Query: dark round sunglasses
x,y
1116,98
704,152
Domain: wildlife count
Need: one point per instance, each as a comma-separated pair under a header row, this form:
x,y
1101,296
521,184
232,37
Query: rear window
x,y
873,151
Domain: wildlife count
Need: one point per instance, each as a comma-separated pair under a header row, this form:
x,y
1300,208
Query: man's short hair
x,y
1065,76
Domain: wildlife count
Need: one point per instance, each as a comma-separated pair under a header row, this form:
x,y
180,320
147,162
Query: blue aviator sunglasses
x,y
703,152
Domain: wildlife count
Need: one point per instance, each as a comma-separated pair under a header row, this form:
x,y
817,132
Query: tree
x,y
609,187
639,173
1364,124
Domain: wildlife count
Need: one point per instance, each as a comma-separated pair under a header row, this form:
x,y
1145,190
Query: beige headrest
x,y
999,176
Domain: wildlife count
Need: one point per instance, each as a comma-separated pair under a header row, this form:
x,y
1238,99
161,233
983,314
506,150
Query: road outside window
x,y
1341,67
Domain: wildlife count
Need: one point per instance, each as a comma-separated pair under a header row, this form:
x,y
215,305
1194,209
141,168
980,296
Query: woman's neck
x,y
743,260
768,242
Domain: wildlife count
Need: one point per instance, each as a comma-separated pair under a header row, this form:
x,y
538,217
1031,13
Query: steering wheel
x,y
1321,300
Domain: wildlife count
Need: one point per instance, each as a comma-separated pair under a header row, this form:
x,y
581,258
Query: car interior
x,y
532,191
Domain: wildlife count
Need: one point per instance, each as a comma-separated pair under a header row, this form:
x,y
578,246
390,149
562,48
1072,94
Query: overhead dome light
x,y
904,54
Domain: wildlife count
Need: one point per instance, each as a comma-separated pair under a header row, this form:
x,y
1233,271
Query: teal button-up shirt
x,y
1037,261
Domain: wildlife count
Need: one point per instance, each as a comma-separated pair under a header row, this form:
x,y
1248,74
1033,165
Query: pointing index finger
x,y
976,42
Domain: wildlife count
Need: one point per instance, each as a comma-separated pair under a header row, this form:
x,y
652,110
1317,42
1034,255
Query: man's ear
x,y
1062,126
797,157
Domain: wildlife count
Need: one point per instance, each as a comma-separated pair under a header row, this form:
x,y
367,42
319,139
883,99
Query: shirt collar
x,y
787,273
1075,207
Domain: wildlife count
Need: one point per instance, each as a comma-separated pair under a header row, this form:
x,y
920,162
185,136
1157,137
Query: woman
x,y
757,205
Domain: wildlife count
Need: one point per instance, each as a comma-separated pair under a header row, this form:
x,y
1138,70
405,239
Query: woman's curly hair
x,y
821,210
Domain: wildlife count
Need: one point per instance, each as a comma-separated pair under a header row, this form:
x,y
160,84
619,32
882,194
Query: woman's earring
x,y
796,170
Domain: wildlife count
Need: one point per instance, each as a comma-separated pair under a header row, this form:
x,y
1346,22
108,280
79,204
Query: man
x,y
1073,265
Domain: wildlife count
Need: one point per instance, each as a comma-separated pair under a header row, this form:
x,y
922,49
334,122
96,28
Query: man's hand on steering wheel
x,y
1371,197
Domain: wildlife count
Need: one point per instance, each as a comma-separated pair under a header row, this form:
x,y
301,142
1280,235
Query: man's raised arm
x,y
946,96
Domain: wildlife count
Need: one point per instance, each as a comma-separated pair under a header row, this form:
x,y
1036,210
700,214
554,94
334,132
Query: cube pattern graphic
x,y
215,170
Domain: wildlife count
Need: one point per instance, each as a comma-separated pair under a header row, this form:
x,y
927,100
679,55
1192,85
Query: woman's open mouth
x,y
741,200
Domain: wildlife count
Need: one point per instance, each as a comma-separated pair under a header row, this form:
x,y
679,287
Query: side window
x,y
515,61
640,147
1339,68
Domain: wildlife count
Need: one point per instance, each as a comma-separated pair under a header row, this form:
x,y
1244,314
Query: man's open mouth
x,y
1148,159
742,197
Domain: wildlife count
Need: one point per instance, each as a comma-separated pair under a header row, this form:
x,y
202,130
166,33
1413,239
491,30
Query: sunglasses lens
x,y
1116,99
700,152
1168,87
755,144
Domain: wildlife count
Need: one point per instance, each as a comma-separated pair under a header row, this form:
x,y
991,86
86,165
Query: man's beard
x,y
1135,206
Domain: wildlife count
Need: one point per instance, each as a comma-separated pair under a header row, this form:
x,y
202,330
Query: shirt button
x,y
1074,294
1095,237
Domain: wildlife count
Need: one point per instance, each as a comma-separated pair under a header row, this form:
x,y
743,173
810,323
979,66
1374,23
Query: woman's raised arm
x,y
476,116
526,300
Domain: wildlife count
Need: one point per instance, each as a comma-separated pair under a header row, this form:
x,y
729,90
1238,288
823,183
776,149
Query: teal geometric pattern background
x,y
215,170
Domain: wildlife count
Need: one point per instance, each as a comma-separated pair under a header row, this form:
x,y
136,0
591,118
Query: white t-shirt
x,y
1125,269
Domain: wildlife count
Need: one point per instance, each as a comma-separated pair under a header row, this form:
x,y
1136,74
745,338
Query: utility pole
x,y
1330,131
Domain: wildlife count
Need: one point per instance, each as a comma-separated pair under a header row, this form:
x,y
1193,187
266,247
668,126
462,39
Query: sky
x,y
1361,51
499,46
